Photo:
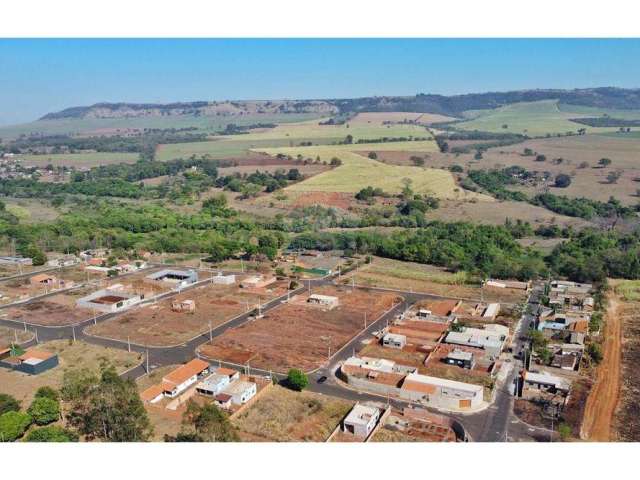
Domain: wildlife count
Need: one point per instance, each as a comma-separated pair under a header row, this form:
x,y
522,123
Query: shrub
x,y
44,410
13,425
47,392
297,380
563,180
8,404
52,433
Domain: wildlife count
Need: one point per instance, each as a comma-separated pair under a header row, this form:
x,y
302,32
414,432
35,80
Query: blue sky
x,y
42,75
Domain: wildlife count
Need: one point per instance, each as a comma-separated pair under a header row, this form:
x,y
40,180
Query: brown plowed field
x,y
298,335
603,399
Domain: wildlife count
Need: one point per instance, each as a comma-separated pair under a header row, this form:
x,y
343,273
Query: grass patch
x,y
282,415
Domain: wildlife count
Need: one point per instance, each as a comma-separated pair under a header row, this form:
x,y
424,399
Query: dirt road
x,y
602,401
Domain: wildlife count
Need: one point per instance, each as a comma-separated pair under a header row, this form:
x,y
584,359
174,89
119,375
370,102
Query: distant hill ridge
x,y
454,105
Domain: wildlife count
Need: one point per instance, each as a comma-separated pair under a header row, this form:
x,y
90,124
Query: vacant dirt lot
x,y
22,288
56,310
8,336
626,424
281,415
157,324
297,334
70,356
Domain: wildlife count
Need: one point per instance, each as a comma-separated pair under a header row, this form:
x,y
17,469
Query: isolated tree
x,y
335,162
209,423
348,139
297,380
13,425
562,180
604,162
52,433
36,254
583,165
417,161
108,408
44,410
612,177
8,404
541,158
373,155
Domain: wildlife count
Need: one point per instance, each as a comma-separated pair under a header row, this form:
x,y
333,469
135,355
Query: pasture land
x,y
580,156
357,171
31,210
286,135
114,126
78,160
497,212
70,356
536,119
281,415
417,277
298,334
395,117
157,324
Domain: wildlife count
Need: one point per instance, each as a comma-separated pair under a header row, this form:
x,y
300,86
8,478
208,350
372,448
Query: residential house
x,y
361,420
394,340
176,382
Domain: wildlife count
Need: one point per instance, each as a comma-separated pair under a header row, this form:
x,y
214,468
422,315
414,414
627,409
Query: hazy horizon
x,y
46,75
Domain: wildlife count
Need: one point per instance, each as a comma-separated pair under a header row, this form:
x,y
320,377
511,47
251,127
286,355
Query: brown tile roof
x,y
581,326
41,277
183,373
151,393
222,397
33,353
418,387
226,371
443,308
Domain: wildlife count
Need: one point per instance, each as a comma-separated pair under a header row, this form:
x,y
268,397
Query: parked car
x,y
322,379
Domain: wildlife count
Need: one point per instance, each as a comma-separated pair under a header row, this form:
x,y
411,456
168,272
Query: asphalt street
x,y
497,423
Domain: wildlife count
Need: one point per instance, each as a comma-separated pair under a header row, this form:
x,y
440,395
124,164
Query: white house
x,y
223,279
361,420
110,299
394,340
323,300
183,377
241,391
439,392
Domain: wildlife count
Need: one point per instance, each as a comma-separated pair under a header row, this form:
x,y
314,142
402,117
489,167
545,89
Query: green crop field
x,y
74,126
537,118
90,159
288,135
357,171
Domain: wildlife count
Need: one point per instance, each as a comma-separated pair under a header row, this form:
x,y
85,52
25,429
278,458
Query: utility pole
x,y
365,320
15,334
147,360
36,330
129,343
210,332
25,325
73,330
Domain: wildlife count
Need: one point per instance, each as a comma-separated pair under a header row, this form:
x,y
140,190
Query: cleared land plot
x,y
533,119
626,424
281,415
22,288
402,428
416,277
55,310
157,324
9,336
90,159
406,356
70,356
298,334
